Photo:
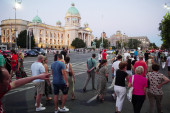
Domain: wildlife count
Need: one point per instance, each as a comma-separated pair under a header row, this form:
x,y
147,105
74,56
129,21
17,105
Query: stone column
x,y
5,36
84,37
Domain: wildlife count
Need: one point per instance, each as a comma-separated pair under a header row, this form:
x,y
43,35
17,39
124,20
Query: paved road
x,y
21,99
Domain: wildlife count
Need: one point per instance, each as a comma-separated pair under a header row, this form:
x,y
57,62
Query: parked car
x,y
132,51
110,51
35,51
41,51
6,52
31,53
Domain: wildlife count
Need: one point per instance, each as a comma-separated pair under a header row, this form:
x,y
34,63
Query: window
x,y
68,35
68,19
54,41
40,40
46,40
50,41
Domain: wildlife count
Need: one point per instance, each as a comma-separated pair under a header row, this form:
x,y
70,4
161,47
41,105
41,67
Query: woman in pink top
x,y
139,91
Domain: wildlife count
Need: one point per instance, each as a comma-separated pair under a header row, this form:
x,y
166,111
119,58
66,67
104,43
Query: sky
x,y
132,17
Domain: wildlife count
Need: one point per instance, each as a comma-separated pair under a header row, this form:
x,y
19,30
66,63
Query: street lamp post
x,y
17,5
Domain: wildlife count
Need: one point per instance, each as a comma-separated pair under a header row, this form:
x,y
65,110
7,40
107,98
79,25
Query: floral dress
x,y
20,73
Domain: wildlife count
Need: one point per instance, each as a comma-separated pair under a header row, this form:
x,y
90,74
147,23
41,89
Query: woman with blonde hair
x,y
139,89
149,63
48,89
20,73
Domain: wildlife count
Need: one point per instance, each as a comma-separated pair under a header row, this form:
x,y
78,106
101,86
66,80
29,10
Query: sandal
x,y
49,98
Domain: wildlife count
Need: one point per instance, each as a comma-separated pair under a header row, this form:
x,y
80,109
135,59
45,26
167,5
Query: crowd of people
x,y
147,80
140,71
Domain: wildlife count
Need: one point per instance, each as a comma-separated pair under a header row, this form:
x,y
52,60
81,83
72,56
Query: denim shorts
x,y
62,87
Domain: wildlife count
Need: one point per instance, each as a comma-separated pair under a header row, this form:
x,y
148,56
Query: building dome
x,y
37,19
88,29
72,11
58,22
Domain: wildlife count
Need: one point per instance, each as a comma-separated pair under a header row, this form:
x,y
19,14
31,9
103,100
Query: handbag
x,y
70,73
130,91
113,81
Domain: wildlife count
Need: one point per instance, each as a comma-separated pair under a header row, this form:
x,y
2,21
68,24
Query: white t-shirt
x,y
166,53
168,61
125,55
37,68
115,65
99,56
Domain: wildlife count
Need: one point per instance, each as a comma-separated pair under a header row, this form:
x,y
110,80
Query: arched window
x,y
54,41
46,40
40,40
68,36
50,41
68,19
8,40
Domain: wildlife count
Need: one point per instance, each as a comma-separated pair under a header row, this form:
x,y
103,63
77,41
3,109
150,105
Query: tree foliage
x,y
133,43
152,46
78,43
164,27
21,40
99,41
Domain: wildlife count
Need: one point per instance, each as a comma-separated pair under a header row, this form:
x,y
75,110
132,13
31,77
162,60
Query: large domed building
x,y
47,36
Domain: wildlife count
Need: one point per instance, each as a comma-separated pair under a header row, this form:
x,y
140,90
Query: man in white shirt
x,y
115,65
125,55
36,69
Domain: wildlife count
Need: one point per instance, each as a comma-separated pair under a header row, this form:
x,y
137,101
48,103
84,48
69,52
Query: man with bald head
x,y
36,69
141,63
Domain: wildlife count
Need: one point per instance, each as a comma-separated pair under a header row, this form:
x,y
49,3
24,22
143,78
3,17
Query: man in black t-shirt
x,y
132,65
64,52
146,55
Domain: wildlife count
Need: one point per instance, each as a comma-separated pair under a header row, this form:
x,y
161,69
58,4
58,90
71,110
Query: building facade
x,y
122,37
47,36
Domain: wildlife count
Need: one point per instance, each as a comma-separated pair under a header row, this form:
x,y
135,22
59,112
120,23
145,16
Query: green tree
x,y
105,42
152,45
164,27
118,44
78,43
133,43
21,40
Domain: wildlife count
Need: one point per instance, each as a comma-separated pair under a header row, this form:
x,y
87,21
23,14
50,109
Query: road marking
x,y
19,90
93,98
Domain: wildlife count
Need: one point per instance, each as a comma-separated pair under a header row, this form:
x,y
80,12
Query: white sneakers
x,y
64,109
40,108
40,104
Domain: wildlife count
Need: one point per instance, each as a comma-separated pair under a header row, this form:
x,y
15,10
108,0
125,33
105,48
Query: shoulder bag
x,y
130,91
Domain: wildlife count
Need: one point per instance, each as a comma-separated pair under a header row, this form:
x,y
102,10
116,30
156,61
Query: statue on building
x,y
101,45
94,44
